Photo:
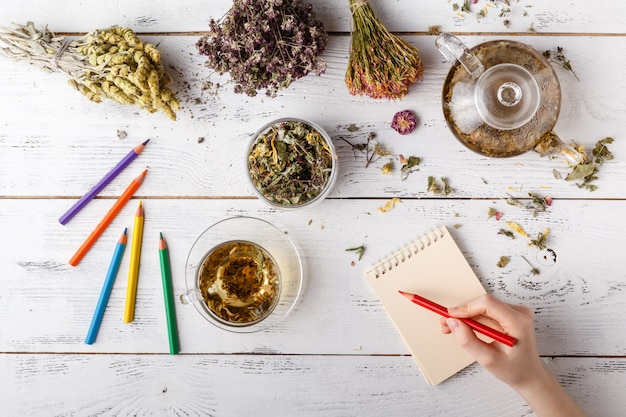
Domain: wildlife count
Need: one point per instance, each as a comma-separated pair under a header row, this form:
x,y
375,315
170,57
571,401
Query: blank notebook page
x,y
434,267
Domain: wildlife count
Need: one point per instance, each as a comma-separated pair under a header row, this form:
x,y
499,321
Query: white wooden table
x,y
338,353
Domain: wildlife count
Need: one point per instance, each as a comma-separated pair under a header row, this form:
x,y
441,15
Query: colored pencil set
x,y
135,254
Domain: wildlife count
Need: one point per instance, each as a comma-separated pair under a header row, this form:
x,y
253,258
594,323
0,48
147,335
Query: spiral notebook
x,y
434,267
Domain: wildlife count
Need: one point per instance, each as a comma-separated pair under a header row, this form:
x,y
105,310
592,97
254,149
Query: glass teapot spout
x,y
453,49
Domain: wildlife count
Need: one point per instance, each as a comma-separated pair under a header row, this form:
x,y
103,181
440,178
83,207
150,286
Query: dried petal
x,y
389,205
517,228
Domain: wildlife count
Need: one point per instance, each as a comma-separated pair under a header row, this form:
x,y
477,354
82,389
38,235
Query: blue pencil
x,y
106,289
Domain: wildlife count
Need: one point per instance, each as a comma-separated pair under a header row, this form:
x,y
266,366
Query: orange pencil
x,y
108,218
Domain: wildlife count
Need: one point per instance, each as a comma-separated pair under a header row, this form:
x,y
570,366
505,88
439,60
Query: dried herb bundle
x,y
264,44
291,163
108,63
381,64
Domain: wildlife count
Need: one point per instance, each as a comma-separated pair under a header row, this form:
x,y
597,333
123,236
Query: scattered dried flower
x,y
540,241
507,233
408,166
381,65
587,171
434,30
494,213
264,45
387,168
533,270
504,261
359,250
437,188
517,228
404,122
558,57
389,205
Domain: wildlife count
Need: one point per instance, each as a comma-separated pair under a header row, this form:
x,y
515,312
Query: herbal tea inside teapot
x,y
501,98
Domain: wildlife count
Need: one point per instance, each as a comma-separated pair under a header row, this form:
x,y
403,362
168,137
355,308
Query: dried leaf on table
x,y
389,205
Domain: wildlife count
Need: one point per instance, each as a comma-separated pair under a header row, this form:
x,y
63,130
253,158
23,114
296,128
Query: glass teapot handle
x,y
453,49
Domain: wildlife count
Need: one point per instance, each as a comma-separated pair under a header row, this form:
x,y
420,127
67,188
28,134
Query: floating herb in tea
x,y
239,282
291,163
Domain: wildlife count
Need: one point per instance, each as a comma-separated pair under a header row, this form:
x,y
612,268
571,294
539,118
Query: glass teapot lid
x,y
499,98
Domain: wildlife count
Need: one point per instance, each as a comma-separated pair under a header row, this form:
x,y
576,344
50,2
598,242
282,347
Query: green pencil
x,y
168,295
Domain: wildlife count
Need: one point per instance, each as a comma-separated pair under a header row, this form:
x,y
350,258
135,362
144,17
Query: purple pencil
x,y
103,183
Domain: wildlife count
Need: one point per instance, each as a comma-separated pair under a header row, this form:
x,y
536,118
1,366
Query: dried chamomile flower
x,y
404,122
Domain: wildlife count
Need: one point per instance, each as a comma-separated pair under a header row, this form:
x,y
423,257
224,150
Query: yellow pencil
x,y
133,270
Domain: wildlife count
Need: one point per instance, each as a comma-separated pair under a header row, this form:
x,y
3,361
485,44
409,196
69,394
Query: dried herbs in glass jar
x,y
291,163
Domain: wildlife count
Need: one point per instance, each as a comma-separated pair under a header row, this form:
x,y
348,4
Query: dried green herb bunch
x,y
381,64
108,63
264,44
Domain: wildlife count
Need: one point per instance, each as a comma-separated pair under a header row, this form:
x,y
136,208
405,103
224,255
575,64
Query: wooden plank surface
x,y
337,353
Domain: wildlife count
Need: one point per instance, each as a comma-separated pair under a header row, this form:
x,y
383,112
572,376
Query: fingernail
x,y
453,324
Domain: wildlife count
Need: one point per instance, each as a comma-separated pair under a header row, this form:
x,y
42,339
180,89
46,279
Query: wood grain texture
x,y
337,353
575,298
211,385
36,125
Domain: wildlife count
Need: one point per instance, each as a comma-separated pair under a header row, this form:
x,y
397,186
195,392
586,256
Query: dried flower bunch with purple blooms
x,y
264,44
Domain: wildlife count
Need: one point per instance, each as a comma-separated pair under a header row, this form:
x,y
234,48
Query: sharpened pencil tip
x,y
146,142
161,235
406,294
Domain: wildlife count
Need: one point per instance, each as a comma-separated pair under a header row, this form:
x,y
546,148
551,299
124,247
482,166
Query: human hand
x,y
518,365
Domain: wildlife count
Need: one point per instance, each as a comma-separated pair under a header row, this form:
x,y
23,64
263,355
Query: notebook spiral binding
x,y
386,264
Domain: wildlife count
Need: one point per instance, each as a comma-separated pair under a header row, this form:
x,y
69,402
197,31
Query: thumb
x,y
466,338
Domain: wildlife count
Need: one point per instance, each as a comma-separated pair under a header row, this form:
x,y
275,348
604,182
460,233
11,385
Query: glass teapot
x,y
502,98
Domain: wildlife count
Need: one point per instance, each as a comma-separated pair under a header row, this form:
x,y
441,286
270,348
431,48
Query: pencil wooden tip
x,y
406,294
139,212
162,243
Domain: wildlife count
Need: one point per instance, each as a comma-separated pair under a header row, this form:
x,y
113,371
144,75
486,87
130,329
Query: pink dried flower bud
x,y
404,122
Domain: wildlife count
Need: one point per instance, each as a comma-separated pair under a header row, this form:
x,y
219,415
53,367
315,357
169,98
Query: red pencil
x,y
108,218
479,327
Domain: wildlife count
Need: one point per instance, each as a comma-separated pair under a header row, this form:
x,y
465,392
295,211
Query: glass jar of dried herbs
x,y
291,163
